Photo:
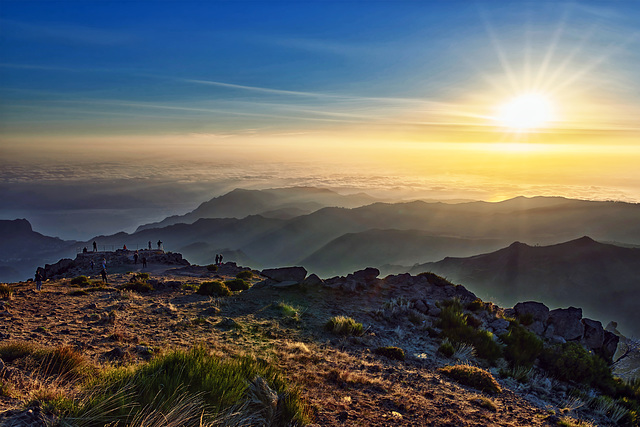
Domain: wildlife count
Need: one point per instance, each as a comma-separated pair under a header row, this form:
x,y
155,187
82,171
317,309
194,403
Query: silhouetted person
x,y
149,244
220,259
144,262
124,248
95,246
135,258
84,250
38,280
92,264
104,275
159,244
217,259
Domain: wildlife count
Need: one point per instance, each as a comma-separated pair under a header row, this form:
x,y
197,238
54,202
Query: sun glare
x,y
525,113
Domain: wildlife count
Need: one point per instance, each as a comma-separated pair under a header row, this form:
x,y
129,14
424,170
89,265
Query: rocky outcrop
x,y
537,310
593,334
286,274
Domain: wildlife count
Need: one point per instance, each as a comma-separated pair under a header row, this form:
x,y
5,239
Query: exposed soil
x,y
343,381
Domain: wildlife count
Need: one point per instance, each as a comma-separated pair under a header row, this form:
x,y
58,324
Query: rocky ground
x,y
342,379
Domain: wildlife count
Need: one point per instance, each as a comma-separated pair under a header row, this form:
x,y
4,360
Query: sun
x,y
525,113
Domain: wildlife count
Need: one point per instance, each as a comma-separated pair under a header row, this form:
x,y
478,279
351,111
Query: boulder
x,y
537,328
593,334
367,275
609,345
464,294
567,323
285,274
312,281
285,284
421,306
537,310
499,326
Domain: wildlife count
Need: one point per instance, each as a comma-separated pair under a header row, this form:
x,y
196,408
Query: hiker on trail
x,y
124,248
159,244
220,259
104,275
149,244
95,246
144,262
92,264
104,263
135,258
38,280
84,250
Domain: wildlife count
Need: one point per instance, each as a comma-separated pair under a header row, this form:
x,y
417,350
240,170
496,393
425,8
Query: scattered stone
x,y
499,326
115,354
313,281
143,350
537,328
421,306
284,274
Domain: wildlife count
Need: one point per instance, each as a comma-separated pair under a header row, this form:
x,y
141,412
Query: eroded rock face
x,y
313,280
537,310
567,323
366,275
609,345
285,274
593,334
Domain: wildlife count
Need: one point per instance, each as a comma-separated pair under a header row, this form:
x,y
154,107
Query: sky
x,y
117,113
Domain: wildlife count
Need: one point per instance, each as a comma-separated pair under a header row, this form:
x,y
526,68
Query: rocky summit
x,y
357,349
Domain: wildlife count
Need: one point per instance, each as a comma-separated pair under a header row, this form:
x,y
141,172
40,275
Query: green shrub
x,y
237,285
137,286
393,353
436,280
245,274
342,325
80,281
473,377
215,288
190,286
212,268
446,348
140,276
287,310
522,346
572,362
191,388
6,291
454,327
525,319
475,305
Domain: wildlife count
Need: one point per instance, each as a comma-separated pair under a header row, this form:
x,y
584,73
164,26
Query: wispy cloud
x,y
74,34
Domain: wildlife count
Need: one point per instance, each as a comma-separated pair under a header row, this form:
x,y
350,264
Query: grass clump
x,y
473,377
522,346
6,291
455,327
390,352
572,362
244,274
214,288
446,348
237,285
288,310
137,286
212,268
343,325
196,384
475,305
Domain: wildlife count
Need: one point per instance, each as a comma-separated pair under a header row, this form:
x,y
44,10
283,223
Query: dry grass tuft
x,y
472,376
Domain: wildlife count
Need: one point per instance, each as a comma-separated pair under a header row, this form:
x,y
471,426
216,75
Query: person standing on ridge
x,y
104,275
38,280
220,259
135,257
95,246
144,262
149,244
159,244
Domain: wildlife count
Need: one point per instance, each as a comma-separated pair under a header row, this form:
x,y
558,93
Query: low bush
x,y
436,280
473,377
446,348
475,305
287,310
393,353
453,323
137,286
215,288
522,347
343,325
80,281
245,274
212,268
572,362
6,291
237,285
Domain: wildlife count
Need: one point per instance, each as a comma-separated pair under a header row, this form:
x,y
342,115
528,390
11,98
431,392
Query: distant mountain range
x,y
603,279
265,228
281,203
22,249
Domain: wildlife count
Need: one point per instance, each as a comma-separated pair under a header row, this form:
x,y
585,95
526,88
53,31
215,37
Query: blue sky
x,y
153,67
